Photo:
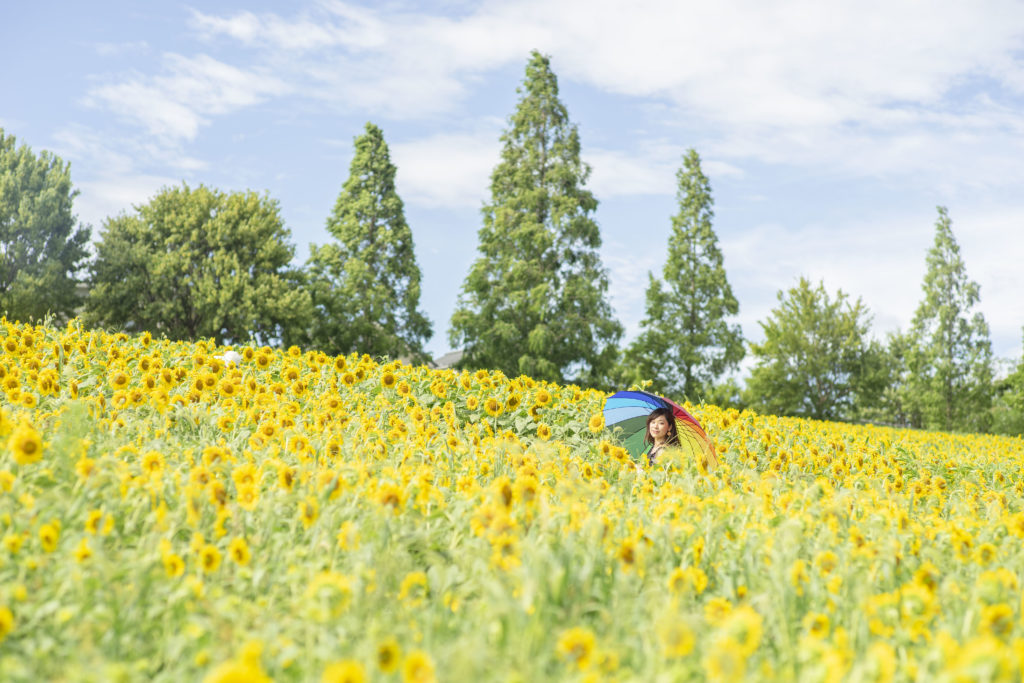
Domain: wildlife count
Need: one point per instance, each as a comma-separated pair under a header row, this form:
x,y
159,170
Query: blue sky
x,y
830,131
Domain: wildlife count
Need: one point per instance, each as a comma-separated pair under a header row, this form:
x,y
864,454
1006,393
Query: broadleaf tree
x,y
365,286
813,358
43,247
199,263
535,300
686,341
1008,400
949,366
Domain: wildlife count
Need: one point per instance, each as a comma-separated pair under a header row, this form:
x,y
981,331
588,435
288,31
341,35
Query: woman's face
x,y
658,428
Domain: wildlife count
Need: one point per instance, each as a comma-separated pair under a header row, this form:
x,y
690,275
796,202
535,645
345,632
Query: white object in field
x,y
230,357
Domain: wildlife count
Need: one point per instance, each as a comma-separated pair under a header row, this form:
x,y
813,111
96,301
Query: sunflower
x,y
418,668
286,477
83,552
173,565
414,588
153,463
576,646
118,380
388,655
209,558
49,534
543,432
13,543
248,496
677,638
309,510
6,622
25,444
725,661
238,550
997,619
345,671
236,672
493,407
985,554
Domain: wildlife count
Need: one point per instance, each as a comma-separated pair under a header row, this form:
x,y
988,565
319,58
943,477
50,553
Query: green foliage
x,y
199,263
1008,399
41,248
366,285
1008,403
882,398
815,358
534,302
949,365
727,393
686,343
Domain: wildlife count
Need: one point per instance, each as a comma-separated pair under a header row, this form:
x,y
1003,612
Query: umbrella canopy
x,y
625,413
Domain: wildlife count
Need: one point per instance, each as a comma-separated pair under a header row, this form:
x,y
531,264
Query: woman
x,y
661,432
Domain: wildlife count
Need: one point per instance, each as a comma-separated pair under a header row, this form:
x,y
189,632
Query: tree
x,y
534,301
883,400
366,286
686,343
41,246
1008,400
199,263
812,360
949,366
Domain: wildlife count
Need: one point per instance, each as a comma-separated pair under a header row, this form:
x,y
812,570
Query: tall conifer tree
x,y
949,365
686,341
366,285
534,302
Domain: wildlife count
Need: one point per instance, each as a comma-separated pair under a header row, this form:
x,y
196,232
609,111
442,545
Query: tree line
x,y
196,262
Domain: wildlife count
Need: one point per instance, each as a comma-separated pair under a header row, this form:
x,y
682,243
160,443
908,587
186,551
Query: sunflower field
x,y
178,511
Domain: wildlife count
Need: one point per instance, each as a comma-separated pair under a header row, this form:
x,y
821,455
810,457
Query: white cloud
x,y
109,173
120,49
649,168
862,87
627,274
109,195
618,172
173,105
10,126
881,261
447,169
928,96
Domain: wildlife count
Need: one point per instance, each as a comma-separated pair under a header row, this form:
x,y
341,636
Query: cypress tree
x,y
534,302
950,362
686,341
366,285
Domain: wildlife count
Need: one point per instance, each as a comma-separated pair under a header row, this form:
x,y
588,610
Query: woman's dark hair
x,y
672,438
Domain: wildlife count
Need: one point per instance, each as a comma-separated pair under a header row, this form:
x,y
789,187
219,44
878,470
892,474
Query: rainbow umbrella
x,y
625,414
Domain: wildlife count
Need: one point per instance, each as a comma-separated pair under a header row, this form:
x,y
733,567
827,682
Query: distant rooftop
x,y
447,360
